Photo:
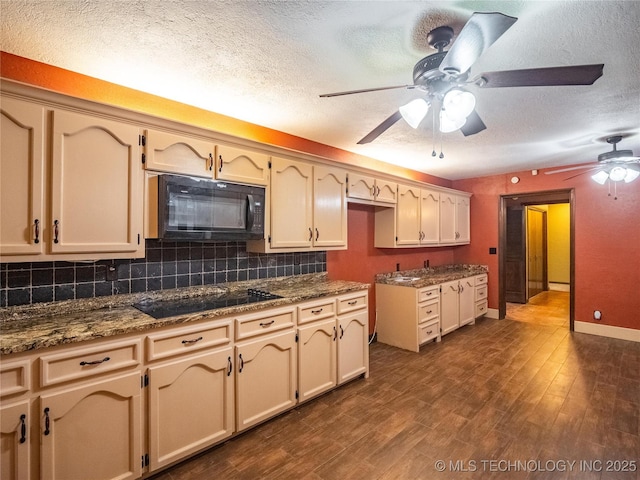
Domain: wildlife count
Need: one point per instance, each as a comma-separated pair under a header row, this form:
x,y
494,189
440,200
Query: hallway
x,y
550,308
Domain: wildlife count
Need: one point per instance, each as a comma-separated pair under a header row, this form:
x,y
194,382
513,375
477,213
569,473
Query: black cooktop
x,y
182,306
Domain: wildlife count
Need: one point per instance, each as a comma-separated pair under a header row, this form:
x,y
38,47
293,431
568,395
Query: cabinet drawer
x,y
14,377
188,339
481,279
76,363
428,331
310,312
481,308
428,311
264,322
481,293
352,302
428,293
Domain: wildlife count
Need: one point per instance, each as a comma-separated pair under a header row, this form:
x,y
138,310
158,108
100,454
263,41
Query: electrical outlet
x,y
493,250
597,315
111,273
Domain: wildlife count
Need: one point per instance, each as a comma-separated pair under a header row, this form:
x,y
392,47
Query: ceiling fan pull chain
x,y
433,131
441,154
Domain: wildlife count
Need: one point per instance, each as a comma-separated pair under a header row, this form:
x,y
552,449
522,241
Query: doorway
x,y
524,258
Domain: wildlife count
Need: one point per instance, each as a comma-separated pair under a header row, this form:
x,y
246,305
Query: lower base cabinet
x,y
15,433
191,405
92,431
317,358
353,346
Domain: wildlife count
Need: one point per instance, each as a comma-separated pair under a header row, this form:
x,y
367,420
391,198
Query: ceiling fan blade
x,y
478,34
365,90
582,173
542,77
569,169
473,125
380,129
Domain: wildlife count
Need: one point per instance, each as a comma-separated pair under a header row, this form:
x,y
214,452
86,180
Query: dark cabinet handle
x,y
37,231
23,428
241,364
429,332
210,162
353,302
335,333
267,324
221,162
95,362
377,191
310,234
429,311
315,312
47,431
373,191
317,234
341,332
56,225
229,367
195,340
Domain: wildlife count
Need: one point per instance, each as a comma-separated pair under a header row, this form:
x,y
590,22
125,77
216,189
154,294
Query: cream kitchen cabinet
x,y
353,336
481,295
458,304
454,218
265,365
329,208
371,190
241,165
191,394
417,218
408,317
15,433
22,169
179,153
94,198
317,358
429,217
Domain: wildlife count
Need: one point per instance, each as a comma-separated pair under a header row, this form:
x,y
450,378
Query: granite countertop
x,y
32,327
424,277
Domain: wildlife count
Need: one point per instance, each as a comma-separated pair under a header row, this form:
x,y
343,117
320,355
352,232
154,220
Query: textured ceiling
x,y
266,62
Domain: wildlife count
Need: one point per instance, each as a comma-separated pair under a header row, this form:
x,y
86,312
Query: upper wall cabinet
x,y
241,165
371,190
168,152
455,215
92,206
21,178
329,207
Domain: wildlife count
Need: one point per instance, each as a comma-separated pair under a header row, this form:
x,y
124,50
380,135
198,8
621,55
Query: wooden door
x,y
96,200
191,405
291,204
329,207
266,378
408,216
449,307
15,438
447,218
168,152
515,252
317,355
241,165
536,251
21,178
353,345
92,430
429,217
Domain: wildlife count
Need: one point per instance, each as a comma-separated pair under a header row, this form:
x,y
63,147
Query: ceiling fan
x,y
442,76
616,165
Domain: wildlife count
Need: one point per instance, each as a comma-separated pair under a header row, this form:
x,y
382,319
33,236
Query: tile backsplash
x,y
166,265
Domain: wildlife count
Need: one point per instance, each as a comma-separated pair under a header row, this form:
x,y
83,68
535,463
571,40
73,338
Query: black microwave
x,y
199,209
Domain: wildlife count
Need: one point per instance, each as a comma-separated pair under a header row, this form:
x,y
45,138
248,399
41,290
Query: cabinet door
x,y
168,152
291,204
449,307
266,378
361,187
467,305
329,207
429,217
190,405
96,202
317,358
14,438
386,192
242,166
408,216
92,431
21,177
463,212
353,345
447,218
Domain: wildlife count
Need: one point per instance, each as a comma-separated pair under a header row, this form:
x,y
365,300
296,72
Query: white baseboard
x,y
492,313
607,331
559,287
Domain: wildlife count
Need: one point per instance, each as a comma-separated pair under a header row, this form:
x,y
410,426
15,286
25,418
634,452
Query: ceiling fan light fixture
x,y
617,174
414,111
450,124
631,175
600,177
459,103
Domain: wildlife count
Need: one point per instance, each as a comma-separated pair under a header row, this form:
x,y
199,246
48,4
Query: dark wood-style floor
x,y
489,395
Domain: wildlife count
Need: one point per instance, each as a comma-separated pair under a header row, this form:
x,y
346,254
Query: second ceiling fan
x,y
442,77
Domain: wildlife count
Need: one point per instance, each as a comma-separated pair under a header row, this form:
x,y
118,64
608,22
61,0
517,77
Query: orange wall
x,y
362,260
607,240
